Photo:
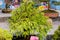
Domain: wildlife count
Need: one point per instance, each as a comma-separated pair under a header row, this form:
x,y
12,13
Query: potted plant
x,y
51,13
7,9
27,21
5,35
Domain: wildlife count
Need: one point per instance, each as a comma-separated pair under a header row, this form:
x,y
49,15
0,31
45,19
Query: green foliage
x,y
39,1
56,35
5,35
43,0
49,11
56,3
27,20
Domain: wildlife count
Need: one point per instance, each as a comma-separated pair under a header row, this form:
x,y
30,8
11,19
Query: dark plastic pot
x,y
6,10
22,38
18,38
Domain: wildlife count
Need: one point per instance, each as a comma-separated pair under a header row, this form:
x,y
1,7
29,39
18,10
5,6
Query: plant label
x,y
34,38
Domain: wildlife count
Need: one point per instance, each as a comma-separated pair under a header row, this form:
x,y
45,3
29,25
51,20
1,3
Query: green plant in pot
x,y
27,20
56,35
49,13
5,35
7,9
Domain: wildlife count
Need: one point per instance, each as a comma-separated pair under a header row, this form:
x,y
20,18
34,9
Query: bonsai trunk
x,y
48,5
7,6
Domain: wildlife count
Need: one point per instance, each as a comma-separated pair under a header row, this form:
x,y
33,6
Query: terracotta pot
x,y
52,15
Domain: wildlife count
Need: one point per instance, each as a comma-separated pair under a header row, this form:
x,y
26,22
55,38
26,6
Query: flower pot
x,y
18,38
28,37
6,10
52,15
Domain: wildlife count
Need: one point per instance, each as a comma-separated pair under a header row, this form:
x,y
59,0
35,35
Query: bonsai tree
x,y
5,35
56,35
27,20
7,10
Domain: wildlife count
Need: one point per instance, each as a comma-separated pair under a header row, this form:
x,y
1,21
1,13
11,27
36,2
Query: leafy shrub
x,y
27,20
5,35
56,35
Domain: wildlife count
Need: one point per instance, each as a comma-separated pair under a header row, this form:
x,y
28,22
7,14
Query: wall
x,y
2,4
57,7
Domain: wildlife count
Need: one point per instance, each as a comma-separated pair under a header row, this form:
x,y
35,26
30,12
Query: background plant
x,y
27,20
56,3
48,1
56,35
5,35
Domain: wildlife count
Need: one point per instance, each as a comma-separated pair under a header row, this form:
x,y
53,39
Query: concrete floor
x,y
55,27
4,24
